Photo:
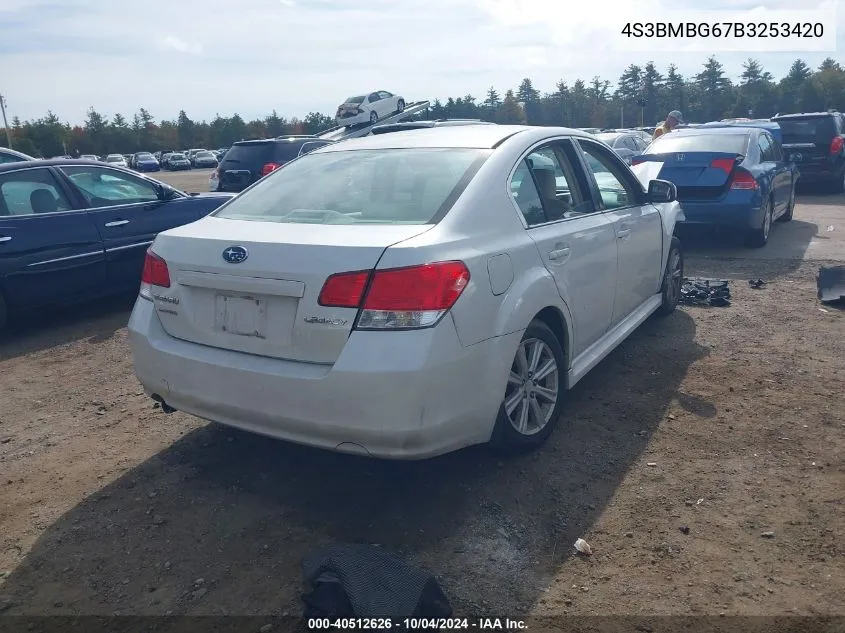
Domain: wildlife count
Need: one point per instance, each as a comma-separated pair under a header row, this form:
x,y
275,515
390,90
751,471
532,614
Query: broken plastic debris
x,y
651,464
699,502
584,547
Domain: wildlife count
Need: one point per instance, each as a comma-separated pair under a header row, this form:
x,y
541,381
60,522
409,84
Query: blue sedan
x,y
72,230
729,176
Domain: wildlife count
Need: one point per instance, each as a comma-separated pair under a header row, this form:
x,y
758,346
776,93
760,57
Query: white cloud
x,y
174,43
297,57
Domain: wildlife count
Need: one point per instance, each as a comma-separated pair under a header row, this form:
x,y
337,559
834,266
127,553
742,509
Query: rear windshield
x,y
815,130
355,100
393,186
144,156
728,143
255,155
177,157
114,157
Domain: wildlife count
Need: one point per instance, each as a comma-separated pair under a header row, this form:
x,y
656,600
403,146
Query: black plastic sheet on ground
x,y
698,291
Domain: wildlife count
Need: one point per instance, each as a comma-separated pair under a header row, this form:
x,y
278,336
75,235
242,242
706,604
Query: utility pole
x,y
5,123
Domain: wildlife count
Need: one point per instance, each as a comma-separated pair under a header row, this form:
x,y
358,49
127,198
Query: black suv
x,y
815,142
248,161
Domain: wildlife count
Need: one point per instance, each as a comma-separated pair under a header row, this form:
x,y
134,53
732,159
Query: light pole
x,y
5,123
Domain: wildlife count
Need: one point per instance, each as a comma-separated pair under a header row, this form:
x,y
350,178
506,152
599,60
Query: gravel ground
x,y
703,461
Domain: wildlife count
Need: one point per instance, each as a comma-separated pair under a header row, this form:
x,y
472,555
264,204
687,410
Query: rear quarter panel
x,y
481,225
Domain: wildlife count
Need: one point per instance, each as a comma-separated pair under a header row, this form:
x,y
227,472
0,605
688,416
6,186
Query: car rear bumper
x,y
745,215
398,395
358,119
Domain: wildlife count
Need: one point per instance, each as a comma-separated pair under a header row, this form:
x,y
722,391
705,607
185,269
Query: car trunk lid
x,y
267,304
697,175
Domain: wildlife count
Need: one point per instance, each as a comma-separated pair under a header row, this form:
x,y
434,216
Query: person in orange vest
x,y
673,120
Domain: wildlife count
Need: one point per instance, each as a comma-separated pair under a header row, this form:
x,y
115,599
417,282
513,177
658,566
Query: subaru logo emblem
x,y
235,254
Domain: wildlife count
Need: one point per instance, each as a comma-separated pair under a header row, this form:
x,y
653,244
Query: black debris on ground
x,y
756,283
699,291
831,284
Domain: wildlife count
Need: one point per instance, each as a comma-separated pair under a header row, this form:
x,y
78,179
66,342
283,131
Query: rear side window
x,y
728,143
812,130
285,152
31,191
394,186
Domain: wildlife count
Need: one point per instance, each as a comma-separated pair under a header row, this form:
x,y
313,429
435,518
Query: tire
x,y
400,105
790,209
837,185
373,117
541,413
758,238
673,279
4,314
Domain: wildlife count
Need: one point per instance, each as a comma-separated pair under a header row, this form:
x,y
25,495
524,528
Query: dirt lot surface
x,y
703,461
195,180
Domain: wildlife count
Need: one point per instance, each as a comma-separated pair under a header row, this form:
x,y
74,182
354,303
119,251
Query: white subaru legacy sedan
x,y
405,295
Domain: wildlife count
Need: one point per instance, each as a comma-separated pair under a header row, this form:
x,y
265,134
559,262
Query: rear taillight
x,y
725,164
637,161
270,167
344,290
155,273
836,145
398,298
743,180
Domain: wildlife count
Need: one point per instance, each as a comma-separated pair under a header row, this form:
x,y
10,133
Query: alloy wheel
x,y
533,387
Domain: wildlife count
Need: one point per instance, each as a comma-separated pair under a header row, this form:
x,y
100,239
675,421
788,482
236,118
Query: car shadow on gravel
x,y
217,522
788,245
97,321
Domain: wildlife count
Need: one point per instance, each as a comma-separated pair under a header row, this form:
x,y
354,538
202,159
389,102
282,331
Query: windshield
x,y
393,186
144,156
114,158
355,100
205,155
728,143
814,130
608,138
177,157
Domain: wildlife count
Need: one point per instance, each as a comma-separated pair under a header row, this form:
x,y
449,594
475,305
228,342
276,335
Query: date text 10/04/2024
x,y
723,29
417,624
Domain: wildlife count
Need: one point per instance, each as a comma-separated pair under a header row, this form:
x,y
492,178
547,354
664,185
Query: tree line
x,y
642,96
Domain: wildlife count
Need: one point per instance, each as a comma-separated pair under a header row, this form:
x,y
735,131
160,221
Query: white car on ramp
x,y
408,294
369,109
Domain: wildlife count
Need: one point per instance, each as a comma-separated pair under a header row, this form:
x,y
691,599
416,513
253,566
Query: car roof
x,y
803,115
713,131
50,162
452,136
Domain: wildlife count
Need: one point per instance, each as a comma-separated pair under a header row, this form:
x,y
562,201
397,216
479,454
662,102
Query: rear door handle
x,y
623,232
5,238
117,223
559,254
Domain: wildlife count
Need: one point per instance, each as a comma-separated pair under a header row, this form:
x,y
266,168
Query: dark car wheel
x,y
534,393
758,238
373,117
673,279
400,105
837,185
790,208
4,315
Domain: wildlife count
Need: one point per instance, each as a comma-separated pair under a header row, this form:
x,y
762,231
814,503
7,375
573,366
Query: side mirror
x,y
164,193
660,191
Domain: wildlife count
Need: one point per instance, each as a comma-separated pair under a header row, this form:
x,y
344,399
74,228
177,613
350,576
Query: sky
x,y
298,56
